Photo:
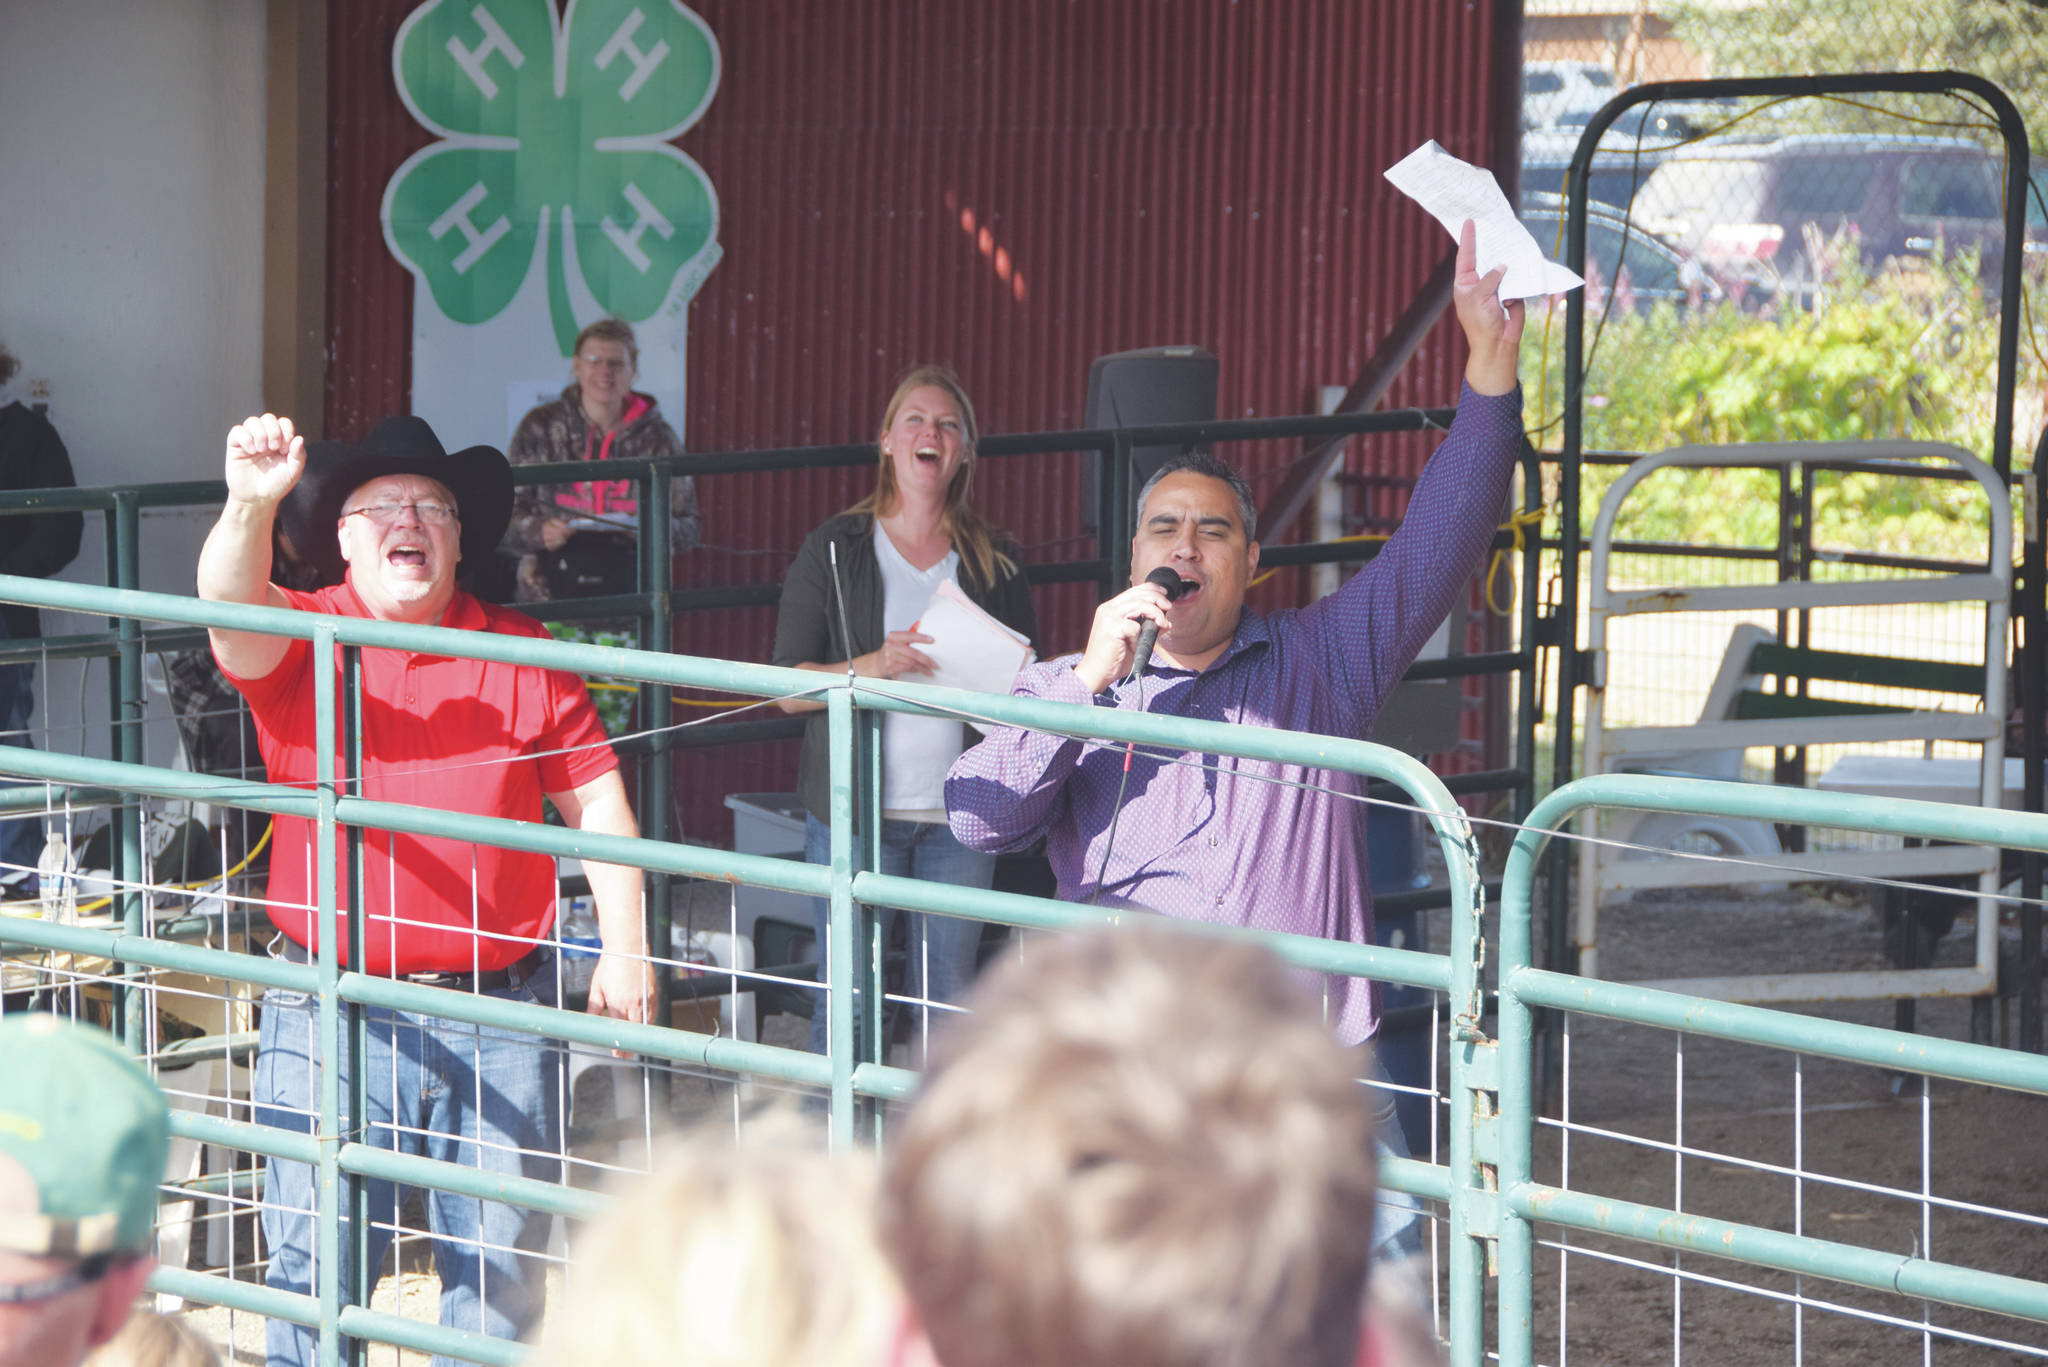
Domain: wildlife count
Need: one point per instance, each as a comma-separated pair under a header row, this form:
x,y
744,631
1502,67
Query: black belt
x,y
490,980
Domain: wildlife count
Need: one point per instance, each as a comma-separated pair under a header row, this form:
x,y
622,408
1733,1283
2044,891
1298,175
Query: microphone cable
x,y
1148,635
1116,812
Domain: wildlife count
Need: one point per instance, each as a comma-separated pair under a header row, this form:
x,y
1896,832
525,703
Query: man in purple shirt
x,y
1237,841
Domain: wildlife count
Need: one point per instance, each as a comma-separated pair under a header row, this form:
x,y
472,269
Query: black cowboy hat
x,y
479,477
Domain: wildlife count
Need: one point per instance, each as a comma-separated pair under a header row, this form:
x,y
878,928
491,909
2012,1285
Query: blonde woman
x,y
894,548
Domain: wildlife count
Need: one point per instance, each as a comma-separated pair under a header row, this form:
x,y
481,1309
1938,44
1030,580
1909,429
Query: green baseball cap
x,y
85,1121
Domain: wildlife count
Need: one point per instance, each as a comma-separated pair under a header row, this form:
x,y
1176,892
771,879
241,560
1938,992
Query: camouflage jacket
x,y
559,431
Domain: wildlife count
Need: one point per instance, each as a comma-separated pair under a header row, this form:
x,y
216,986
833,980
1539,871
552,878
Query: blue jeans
x,y
1397,1225
942,948
482,1097
21,840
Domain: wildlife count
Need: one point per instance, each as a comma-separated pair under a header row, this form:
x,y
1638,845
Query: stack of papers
x,y
970,648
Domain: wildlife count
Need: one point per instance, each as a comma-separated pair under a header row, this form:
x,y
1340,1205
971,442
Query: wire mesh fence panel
x,y
1779,1141
1687,1139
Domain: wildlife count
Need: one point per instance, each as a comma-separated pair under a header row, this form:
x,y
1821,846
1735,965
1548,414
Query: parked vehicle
x,y
1633,146
1615,177
1550,90
1788,200
1654,125
1641,268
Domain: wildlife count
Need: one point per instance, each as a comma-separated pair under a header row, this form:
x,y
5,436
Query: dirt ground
x,y
1743,1105
1860,1125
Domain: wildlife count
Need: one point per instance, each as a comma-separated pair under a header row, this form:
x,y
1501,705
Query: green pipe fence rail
x,y
652,607
856,1085
1487,1185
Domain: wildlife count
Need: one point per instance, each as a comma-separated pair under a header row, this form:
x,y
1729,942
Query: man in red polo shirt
x,y
452,734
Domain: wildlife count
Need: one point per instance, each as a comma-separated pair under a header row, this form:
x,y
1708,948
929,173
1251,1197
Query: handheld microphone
x,y
1148,635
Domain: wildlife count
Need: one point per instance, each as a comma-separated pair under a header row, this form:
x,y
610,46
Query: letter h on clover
x,y
554,141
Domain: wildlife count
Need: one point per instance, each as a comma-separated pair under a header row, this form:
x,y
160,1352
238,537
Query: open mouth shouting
x,y
410,565
409,558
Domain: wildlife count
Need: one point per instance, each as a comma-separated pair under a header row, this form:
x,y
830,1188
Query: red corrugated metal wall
x,y
1012,189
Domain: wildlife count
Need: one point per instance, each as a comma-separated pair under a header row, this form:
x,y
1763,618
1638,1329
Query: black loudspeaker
x,y
1139,389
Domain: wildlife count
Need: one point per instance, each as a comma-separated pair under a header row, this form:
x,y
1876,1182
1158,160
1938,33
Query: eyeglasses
x,y
431,513
607,363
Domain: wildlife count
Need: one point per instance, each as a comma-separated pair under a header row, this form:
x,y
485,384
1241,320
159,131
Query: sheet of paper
x,y
1454,191
970,648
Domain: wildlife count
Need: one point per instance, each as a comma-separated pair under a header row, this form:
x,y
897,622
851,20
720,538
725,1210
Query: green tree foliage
x,y
1906,356
1896,355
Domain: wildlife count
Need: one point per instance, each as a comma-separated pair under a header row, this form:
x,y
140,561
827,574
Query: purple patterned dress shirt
x,y
1218,842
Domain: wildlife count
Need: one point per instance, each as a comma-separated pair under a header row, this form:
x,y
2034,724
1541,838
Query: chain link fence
x,y
1885,210
1764,270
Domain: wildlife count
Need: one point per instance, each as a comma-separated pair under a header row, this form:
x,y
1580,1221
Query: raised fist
x,y
265,459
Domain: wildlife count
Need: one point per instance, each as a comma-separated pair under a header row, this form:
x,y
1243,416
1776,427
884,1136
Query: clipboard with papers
x,y
600,523
969,648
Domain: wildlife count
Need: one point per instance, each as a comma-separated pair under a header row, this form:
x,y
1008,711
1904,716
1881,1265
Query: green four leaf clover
x,y
556,143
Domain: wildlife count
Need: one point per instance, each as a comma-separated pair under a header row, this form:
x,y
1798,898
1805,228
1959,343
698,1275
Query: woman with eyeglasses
x,y
894,548
576,540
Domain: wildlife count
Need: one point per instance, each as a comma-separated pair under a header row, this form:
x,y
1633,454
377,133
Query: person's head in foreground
x,y
1143,1148
762,1255
84,1135
153,1340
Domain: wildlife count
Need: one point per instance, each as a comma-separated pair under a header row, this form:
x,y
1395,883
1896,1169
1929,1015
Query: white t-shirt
x,y
916,751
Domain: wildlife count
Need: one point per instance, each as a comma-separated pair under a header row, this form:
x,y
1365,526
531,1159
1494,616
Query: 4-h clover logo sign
x,y
554,155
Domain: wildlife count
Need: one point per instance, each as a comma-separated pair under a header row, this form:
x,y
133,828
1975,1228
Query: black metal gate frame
x,y
2031,609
